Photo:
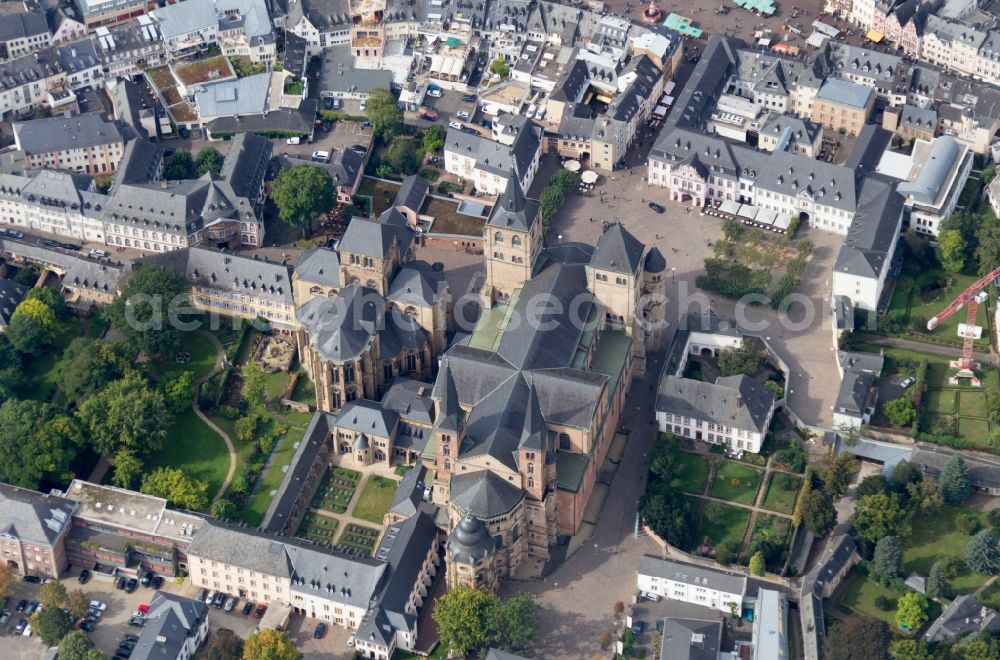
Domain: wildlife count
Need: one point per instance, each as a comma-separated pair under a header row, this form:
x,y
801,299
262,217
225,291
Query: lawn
x,y
382,193
195,448
41,377
971,404
201,71
375,499
941,401
859,593
275,384
447,219
305,390
990,596
203,355
736,482
693,472
778,498
916,298
728,524
937,537
281,458
975,430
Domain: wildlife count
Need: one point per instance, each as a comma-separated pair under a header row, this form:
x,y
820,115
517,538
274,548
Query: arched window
x,y
531,468
410,311
531,482
498,237
516,240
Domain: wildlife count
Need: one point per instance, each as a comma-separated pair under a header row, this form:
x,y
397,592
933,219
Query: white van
x,y
293,140
97,252
531,111
321,156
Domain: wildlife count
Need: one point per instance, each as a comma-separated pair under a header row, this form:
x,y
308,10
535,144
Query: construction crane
x,y
973,296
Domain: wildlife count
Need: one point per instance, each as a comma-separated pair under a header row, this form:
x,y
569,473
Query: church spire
x,y
450,414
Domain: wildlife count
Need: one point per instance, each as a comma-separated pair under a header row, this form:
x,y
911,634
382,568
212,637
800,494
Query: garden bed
x,y
359,539
317,527
335,491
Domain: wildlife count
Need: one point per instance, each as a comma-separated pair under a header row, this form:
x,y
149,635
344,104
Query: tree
x,y
982,554
669,515
127,466
7,579
663,463
53,594
50,297
127,414
433,138
955,482
836,473
881,514
459,616
511,623
911,611
743,360
51,624
924,496
888,557
89,364
179,166
270,644
255,388
208,160
176,487
977,648
904,474
384,114
302,193
900,411
757,566
559,186
873,483
223,645
32,327
37,443
937,583
500,67
910,649
857,636
144,311
402,155
223,508
77,603
951,250
75,645
818,513
178,391
992,406
988,250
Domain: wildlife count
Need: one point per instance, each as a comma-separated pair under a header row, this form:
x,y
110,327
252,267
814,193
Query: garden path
x,y
219,357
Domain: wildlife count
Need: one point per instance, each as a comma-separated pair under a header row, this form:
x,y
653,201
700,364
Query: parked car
x,y
27,631
294,140
638,627
366,124
469,98
30,609
46,243
157,581
362,106
230,604
659,626
4,617
147,579
22,605
13,233
319,630
470,130
456,125
656,207
93,613
136,621
98,605
908,381
129,637
427,116
463,115
210,597
247,608
337,105
321,156
84,576
88,625
434,92
201,595
131,585
98,253
139,613
328,103
126,645
21,625
350,642
74,247
220,600
359,149
34,579
259,612
327,126
649,595
120,584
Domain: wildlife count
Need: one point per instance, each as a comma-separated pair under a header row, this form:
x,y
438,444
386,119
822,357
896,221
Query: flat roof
x,y
128,509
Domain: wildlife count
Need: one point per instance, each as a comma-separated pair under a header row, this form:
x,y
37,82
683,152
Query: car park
x,y
84,576
366,124
319,630
247,608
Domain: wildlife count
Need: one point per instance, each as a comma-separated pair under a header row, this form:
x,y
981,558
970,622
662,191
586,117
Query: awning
x,y
875,36
453,42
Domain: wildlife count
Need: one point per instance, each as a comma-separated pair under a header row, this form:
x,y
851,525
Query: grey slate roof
x,y
836,554
301,464
343,167
140,163
618,251
412,192
738,401
494,654
872,235
985,472
845,92
917,117
934,173
215,269
853,394
171,620
963,615
240,96
32,517
513,210
339,77
22,24
417,284
319,265
860,361
323,14
245,167
411,400
179,19
410,492
692,574
11,295
691,639
59,133
484,494
470,541
494,157
364,416
374,239
654,262
80,273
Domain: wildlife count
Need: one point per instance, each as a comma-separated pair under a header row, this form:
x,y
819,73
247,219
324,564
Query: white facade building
x,y
691,584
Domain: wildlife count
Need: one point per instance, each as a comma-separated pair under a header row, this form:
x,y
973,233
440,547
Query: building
x,y
240,29
33,528
838,557
902,22
127,531
11,295
933,185
691,639
785,133
21,31
985,473
688,583
85,282
232,285
856,400
735,411
58,203
770,625
97,13
174,628
339,79
490,165
321,23
843,106
962,616
82,143
129,49
345,167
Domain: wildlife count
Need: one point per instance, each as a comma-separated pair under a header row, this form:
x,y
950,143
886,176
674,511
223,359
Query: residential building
x,y
33,528
784,133
346,168
321,23
232,285
902,22
936,176
21,31
339,79
63,26
839,555
82,143
963,616
11,295
689,583
129,49
127,531
691,639
735,411
490,165
770,625
97,13
951,44
843,106
232,98
54,202
174,628
240,29
34,80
